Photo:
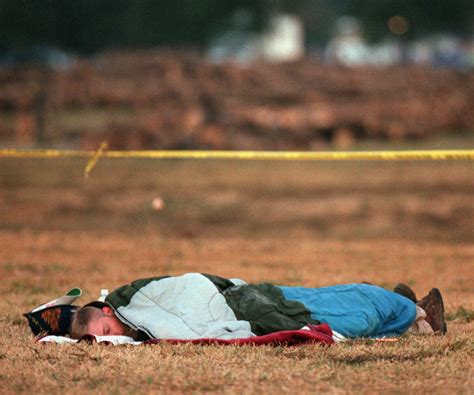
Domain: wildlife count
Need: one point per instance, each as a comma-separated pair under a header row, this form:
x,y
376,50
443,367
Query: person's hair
x,y
81,319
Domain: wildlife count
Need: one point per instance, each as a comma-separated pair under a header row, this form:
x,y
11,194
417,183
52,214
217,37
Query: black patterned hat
x,y
54,320
54,317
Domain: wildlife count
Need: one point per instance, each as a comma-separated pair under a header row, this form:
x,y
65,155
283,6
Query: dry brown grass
x,y
307,223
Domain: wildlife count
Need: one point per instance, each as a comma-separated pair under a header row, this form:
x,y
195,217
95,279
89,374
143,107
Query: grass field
x,y
302,223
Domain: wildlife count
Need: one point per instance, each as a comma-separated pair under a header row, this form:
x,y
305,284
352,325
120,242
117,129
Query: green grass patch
x,y
461,314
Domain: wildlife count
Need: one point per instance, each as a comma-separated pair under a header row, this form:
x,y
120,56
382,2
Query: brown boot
x,y
434,308
406,291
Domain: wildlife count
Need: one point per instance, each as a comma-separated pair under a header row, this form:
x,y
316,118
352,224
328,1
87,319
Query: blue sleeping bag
x,y
356,310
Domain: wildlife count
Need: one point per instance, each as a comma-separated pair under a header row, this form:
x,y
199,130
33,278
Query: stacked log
x,y
156,99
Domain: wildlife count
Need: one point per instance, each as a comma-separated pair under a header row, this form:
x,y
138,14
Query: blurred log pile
x,y
177,100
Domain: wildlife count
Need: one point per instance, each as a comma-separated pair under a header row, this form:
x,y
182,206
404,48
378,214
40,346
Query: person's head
x,y
97,321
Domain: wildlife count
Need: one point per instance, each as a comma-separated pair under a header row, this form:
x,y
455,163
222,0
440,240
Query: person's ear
x,y
107,310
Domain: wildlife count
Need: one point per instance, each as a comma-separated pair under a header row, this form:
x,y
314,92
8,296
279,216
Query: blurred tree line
x,y
87,26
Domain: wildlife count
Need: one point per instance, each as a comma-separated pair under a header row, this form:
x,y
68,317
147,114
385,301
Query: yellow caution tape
x,y
242,155
93,161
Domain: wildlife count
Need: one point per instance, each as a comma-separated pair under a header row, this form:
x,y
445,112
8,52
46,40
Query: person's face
x,y
106,325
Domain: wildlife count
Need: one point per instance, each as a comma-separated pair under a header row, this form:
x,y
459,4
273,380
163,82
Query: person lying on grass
x,y
193,306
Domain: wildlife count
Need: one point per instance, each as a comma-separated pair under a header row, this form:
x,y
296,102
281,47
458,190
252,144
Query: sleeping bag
x,y
195,306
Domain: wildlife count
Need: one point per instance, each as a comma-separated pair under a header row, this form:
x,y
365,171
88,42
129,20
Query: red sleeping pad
x,y
316,334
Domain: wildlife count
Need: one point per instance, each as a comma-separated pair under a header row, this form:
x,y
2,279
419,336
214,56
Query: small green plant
x,y
461,314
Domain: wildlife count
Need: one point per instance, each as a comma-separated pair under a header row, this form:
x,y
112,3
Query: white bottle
x,y
103,294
